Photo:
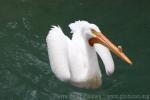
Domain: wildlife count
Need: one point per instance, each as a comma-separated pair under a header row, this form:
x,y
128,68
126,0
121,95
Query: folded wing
x,y
106,57
57,44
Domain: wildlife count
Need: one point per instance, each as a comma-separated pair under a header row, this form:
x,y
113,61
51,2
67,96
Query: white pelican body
x,y
75,60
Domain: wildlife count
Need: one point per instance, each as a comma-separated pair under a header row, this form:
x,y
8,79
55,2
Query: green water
x,y
25,72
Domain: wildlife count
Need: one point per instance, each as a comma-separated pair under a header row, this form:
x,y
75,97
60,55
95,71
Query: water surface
x,y
25,72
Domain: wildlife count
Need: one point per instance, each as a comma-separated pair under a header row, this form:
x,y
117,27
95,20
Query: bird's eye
x,y
93,31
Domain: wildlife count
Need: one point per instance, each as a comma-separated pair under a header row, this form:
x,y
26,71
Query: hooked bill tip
x,y
129,62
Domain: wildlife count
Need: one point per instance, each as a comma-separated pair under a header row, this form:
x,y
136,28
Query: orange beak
x,y
100,38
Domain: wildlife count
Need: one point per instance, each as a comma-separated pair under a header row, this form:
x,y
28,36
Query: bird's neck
x,y
84,55
88,52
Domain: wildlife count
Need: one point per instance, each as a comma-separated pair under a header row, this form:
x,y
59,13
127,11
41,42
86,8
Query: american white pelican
x,y
75,60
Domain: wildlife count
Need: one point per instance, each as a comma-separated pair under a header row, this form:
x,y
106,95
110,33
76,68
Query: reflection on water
x,y
25,73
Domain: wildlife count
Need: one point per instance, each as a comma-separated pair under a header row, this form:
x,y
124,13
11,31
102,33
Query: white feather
x,y
57,44
106,57
75,60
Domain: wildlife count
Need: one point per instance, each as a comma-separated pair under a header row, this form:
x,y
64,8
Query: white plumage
x,y
74,60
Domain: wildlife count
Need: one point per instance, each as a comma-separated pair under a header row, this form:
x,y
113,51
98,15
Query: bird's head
x,y
94,35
